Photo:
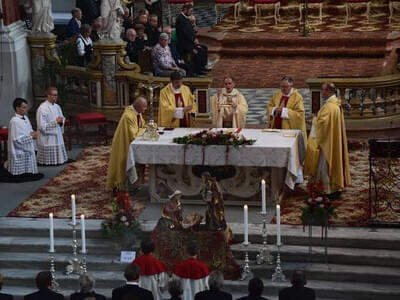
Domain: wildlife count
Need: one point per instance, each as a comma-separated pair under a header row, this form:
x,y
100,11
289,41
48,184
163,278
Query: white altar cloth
x,y
272,149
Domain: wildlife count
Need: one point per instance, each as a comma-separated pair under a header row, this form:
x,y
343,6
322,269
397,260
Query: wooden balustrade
x,y
362,98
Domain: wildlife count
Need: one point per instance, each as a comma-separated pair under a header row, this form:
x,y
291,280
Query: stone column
x,y
15,75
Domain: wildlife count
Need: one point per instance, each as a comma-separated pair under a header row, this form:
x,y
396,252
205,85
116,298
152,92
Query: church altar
x,y
276,157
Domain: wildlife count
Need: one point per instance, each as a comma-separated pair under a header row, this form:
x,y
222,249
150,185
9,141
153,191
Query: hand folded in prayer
x,y
278,111
34,134
59,120
234,105
187,108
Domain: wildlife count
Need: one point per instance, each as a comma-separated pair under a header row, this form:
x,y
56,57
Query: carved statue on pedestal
x,y
42,17
112,12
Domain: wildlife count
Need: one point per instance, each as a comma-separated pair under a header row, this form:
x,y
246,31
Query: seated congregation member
x,y
215,283
175,54
163,63
128,20
176,103
152,31
142,18
153,272
286,109
43,283
154,7
185,33
50,126
192,272
133,47
130,126
21,161
256,288
327,157
141,37
4,296
228,106
131,289
84,46
74,24
97,24
175,289
86,285
298,289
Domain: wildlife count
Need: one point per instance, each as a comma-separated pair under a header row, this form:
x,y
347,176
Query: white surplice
x,y
193,286
51,148
155,283
21,146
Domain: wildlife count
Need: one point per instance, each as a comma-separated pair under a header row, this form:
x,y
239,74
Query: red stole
x,y
191,269
149,265
139,121
278,118
182,122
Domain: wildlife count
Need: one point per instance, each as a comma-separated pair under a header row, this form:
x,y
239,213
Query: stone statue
x,y
42,17
171,212
212,195
112,12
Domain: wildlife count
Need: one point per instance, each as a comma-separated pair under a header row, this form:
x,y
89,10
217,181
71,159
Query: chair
x,y
85,120
393,4
259,4
349,3
176,2
228,3
311,3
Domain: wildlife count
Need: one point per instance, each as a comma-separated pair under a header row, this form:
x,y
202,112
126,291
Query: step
x,y
348,256
331,272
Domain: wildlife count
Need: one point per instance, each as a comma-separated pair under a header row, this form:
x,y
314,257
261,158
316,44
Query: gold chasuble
x,y
328,136
168,106
223,114
129,128
295,116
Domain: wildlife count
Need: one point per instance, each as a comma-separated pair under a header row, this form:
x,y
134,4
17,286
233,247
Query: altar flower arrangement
x,y
212,137
123,228
318,208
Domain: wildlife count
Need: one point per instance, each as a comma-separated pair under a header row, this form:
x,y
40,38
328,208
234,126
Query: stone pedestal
x,y
15,75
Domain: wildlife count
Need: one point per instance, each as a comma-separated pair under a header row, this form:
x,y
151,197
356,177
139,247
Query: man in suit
x,y
215,283
43,283
256,288
4,296
74,24
298,289
131,289
185,33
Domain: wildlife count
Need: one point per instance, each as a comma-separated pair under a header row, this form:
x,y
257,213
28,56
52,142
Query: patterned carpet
x,y
334,14
86,179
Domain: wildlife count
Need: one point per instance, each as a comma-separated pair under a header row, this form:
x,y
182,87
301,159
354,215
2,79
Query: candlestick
x,y
246,225
51,232
278,225
263,197
278,274
74,265
54,283
83,235
264,256
246,272
73,209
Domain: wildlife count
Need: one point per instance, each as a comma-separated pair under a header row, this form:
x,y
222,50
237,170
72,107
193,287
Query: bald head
x,y
140,104
328,89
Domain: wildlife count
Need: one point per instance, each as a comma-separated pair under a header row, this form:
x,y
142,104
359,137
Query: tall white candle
x,y
73,209
263,197
278,225
246,225
83,234
51,232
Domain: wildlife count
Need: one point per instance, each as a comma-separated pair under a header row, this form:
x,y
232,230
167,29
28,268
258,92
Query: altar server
x,y
21,147
50,125
327,158
153,272
176,103
130,126
286,109
228,106
192,272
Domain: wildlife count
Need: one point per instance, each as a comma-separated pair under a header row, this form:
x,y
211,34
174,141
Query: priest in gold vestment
x,y
177,105
286,109
228,107
130,126
327,157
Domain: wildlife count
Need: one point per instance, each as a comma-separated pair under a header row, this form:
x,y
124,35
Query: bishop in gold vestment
x,y
130,126
327,157
176,104
286,109
228,107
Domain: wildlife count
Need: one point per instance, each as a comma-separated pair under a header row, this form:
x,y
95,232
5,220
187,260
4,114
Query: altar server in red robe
x,y
153,272
192,272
